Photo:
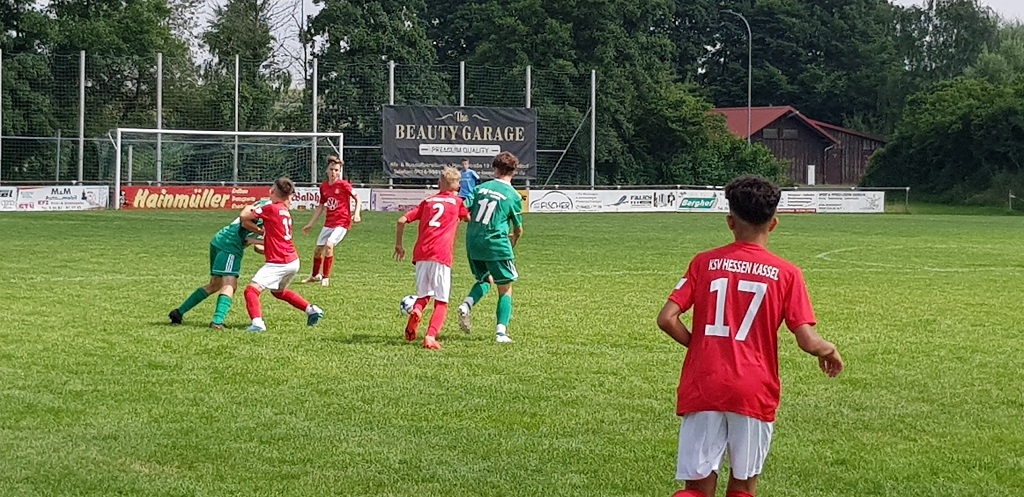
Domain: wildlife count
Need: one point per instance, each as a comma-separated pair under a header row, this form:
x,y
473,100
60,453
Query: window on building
x,y
790,134
770,134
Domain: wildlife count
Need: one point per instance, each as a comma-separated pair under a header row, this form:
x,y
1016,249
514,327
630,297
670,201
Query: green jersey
x,y
494,208
231,238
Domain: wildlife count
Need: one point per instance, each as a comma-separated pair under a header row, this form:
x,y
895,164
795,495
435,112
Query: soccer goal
x,y
144,156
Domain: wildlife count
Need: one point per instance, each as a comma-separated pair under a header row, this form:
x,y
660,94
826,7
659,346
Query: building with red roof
x,y
839,155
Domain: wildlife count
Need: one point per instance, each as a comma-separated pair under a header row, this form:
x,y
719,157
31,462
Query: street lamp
x,y
750,51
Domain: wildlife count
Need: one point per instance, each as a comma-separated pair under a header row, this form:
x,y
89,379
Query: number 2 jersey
x,y
494,208
277,233
231,238
439,217
740,295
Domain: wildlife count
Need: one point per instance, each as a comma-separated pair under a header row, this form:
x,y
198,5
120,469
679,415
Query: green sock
x,y
193,300
505,309
478,291
223,306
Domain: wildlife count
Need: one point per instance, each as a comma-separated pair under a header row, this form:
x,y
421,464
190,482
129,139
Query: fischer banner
x,y
419,141
61,198
308,198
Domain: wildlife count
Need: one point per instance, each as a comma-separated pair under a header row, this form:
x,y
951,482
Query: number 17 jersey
x,y
740,295
494,208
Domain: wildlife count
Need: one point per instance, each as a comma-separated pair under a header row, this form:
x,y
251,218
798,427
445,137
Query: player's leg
x,y
749,442
252,300
703,438
504,274
440,280
217,260
423,293
318,256
479,290
280,291
224,297
336,236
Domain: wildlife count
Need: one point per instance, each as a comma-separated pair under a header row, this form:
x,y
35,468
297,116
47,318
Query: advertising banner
x,y
398,200
63,198
308,197
851,202
8,198
418,141
792,201
190,197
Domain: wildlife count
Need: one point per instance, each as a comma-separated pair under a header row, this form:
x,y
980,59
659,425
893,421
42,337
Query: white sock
x,y
469,302
258,322
465,307
501,329
312,309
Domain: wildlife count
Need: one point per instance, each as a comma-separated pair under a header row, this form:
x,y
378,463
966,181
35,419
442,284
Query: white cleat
x,y
465,323
325,282
502,338
312,279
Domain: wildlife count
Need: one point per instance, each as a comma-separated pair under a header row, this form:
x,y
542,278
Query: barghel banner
x,y
419,141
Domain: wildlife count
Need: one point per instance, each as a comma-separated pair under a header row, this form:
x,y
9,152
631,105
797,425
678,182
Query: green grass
x,y
101,397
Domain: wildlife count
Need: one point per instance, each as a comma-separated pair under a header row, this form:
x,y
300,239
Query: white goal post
x,y
180,156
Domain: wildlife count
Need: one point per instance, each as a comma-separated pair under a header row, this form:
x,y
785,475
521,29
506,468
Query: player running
x,y
282,261
729,386
226,250
495,226
439,218
336,197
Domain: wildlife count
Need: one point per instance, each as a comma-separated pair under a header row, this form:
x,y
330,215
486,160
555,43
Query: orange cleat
x,y
431,343
413,326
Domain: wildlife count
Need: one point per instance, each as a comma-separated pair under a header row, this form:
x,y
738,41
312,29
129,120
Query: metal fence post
x,y
391,82
159,117
81,115
234,159
593,127
462,83
316,119
529,86
1,114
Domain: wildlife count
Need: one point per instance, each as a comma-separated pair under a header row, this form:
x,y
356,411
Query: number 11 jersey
x,y
740,295
277,233
494,208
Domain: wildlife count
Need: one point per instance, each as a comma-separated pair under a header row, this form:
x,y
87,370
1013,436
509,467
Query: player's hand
x,y
306,228
258,248
357,218
399,253
831,363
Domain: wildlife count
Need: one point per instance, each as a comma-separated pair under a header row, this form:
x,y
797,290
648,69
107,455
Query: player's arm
x,y
829,360
517,221
516,233
399,231
248,218
316,215
668,321
357,215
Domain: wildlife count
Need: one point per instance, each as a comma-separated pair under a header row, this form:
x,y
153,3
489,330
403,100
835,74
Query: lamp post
x,y
750,51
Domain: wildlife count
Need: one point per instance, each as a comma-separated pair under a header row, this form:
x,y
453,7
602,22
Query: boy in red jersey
x,y
439,218
282,260
729,385
336,197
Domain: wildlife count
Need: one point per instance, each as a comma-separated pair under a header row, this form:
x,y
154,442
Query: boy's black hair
x,y
753,199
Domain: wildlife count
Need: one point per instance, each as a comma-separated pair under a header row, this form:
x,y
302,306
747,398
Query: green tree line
x,y
661,65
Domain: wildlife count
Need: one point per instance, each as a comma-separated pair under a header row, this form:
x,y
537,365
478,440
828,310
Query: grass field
x,y
100,396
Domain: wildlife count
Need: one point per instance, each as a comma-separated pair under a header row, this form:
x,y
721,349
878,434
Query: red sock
x,y
437,319
252,302
689,493
328,264
292,298
421,303
316,265
737,493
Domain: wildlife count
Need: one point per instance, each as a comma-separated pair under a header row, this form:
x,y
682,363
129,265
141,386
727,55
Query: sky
x,y
1008,9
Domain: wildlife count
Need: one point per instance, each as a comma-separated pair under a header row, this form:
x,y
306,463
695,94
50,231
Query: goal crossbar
x,y
314,136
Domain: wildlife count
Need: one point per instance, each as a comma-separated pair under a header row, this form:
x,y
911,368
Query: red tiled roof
x,y
833,127
761,117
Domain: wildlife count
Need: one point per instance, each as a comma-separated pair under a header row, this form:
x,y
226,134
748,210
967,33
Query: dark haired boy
x,y
729,385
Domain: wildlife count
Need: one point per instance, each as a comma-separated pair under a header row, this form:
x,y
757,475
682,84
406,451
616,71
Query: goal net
x,y
168,156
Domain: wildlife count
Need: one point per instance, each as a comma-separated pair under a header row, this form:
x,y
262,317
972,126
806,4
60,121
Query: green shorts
x,y
224,263
503,272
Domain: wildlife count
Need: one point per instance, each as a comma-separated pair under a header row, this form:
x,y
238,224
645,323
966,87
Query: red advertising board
x,y
190,197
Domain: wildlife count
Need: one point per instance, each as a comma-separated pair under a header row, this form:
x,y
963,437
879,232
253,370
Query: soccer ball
x,y
406,304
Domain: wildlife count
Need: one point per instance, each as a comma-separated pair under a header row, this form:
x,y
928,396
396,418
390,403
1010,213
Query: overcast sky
x,y
1008,9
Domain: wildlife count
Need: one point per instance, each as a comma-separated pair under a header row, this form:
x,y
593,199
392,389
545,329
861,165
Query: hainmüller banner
x,y
420,140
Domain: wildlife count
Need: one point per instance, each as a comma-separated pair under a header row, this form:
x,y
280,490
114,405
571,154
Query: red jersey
x,y
337,200
439,217
277,233
740,294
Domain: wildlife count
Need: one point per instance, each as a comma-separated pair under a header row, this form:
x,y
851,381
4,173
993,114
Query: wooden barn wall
x,y
807,148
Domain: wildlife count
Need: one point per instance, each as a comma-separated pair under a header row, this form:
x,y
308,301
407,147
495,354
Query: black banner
x,y
420,140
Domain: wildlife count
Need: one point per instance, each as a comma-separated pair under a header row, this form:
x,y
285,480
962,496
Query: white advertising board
x,y
8,198
397,200
308,197
792,201
63,198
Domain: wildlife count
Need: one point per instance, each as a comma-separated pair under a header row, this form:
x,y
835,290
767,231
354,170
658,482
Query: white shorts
x,y
332,236
433,279
704,436
276,276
